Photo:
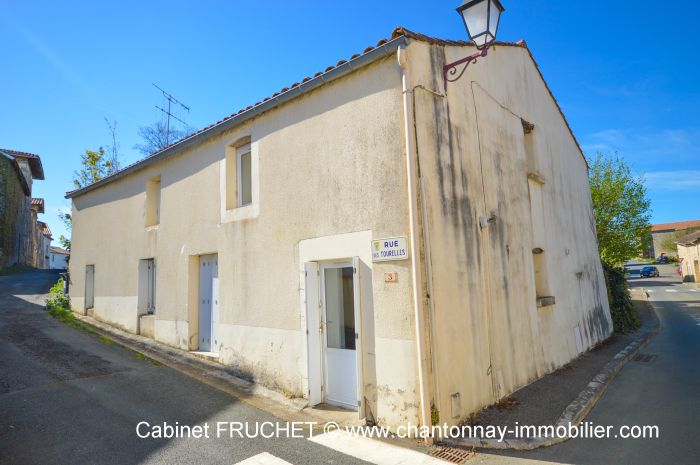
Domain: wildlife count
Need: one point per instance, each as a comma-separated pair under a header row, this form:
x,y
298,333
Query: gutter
x,y
338,72
417,278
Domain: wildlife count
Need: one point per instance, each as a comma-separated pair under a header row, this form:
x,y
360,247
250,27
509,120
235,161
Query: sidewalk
x,y
223,378
568,394
563,397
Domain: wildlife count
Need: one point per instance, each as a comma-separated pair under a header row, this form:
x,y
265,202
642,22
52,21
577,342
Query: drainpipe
x,y
411,163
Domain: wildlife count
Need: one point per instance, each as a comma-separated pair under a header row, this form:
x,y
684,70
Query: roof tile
x,y
678,225
397,32
34,161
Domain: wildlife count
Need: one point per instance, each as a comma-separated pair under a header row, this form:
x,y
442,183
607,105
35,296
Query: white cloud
x,y
646,147
680,180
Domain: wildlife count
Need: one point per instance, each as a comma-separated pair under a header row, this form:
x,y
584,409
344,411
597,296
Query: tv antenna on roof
x,y
170,100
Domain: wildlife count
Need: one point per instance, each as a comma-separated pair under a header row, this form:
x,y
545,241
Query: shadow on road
x,y
67,396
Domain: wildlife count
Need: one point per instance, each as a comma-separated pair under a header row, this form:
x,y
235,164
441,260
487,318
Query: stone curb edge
x,y
577,410
206,371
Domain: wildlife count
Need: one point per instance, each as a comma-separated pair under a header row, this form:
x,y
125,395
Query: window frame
x,y
230,207
240,153
153,198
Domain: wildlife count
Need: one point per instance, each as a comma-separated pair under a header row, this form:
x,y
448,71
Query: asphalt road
x,y
664,392
69,397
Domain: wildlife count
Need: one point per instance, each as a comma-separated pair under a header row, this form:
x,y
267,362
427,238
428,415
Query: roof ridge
x,y
318,74
396,34
19,153
688,238
675,225
402,31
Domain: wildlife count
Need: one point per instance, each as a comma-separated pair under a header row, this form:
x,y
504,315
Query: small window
x,y
153,201
541,281
239,174
244,178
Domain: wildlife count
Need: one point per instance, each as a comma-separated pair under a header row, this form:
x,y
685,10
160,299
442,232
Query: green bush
x,y
624,315
58,303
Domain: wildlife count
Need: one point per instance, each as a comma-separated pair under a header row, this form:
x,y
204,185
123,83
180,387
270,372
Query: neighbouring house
x,y
42,233
59,258
365,238
43,246
21,236
664,236
689,256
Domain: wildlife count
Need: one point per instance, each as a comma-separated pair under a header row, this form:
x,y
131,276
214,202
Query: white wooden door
x,y
341,335
89,287
314,332
215,304
151,286
359,349
208,303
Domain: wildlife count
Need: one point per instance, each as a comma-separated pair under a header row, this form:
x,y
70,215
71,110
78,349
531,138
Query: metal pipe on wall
x,y
417,279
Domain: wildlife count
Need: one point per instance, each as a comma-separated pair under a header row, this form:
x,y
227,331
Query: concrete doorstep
x,y
202,367
579,408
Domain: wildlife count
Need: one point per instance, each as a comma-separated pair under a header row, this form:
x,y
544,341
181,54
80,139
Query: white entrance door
x,y
340,319
209,303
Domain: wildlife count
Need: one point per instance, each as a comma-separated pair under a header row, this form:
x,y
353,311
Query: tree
x,y
158,136
113,156
68,221
95,166
621,207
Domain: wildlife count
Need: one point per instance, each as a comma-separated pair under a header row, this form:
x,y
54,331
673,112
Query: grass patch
x,y
434,415
143,357
58,306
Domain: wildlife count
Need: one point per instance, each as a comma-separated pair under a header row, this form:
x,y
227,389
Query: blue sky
x,y
626,73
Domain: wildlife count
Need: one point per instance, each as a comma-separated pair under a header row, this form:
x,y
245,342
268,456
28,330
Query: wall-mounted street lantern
x,y
481,19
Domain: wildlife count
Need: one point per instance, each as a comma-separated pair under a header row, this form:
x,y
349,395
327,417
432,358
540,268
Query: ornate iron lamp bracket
x,y
449,70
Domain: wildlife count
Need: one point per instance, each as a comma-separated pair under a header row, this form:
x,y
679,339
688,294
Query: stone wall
x,y
658,238
16,231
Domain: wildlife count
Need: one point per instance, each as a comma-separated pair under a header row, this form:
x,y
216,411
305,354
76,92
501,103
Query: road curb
x,y
213,374
577,410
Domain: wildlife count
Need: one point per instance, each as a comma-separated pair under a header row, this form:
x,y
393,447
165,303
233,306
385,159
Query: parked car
x,y
649,272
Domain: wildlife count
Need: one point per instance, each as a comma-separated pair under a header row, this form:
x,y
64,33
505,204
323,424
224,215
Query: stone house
x,y
59,258
663,235
366,238
42,246
689,257
21,237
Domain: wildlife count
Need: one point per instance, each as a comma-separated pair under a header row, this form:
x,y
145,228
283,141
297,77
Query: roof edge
x,y
689,239
399,31
20,175
33,159
342,69
400,35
